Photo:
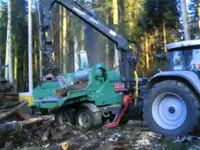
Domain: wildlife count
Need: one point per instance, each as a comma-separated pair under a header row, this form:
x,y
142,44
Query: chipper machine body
x,y
92,95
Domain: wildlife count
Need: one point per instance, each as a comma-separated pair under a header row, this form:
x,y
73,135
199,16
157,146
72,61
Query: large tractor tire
x,y
171,108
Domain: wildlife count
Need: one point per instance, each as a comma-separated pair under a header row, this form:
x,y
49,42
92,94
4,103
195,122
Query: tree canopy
x,y
153,23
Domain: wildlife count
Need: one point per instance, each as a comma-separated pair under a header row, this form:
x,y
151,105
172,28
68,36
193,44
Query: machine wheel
x,y
85,118
65,115
171,108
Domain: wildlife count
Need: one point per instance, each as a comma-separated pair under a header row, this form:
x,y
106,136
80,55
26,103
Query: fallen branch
x,y
9,94
9,104
18,125
11,111
35,120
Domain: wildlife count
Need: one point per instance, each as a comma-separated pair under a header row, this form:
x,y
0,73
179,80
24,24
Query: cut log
x,y
8,104
64,91
9,127
9,94
4,110
11,111
8,97
35,120
18,125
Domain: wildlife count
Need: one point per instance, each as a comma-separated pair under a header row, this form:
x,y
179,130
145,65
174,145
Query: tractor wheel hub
x,y
169,111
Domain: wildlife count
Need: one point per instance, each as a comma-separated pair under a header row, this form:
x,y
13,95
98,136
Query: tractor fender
x,y
96,112
188,77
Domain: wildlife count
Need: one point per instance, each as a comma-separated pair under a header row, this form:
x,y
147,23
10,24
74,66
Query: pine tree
x,y
9,72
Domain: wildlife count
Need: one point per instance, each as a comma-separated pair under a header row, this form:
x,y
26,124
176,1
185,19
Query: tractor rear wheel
x,y
171,108
65,115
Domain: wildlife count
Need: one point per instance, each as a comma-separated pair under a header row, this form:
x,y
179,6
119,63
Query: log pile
x,y
10,111
9,104
49,136
8,100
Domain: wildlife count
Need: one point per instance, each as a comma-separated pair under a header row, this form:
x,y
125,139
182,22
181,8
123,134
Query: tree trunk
x,y
64,41
199,15
30,48
147,52
9,72
185,20
53,42
35,56
61,38
1,43
111,52
55,27
40,59
116,22
82,38
164,37
70,52
15,69
76,58
40,37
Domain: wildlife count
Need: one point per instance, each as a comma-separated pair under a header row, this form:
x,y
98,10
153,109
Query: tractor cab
x,y
184,55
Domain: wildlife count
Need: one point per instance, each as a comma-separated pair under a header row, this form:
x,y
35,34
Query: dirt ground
x,y
47,135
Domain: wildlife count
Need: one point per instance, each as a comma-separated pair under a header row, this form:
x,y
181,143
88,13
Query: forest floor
x,y
46,135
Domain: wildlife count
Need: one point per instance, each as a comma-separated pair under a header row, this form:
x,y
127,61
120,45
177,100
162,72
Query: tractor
x,y
171,106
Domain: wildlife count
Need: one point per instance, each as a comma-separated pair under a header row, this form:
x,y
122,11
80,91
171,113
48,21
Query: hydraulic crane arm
x,y
127,62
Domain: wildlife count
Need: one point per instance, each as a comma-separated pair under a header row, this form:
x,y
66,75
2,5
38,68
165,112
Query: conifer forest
x,y
99,74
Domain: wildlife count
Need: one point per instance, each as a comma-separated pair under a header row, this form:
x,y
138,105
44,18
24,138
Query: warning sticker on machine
x,y
112,32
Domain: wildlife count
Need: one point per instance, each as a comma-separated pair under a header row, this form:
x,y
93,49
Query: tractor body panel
x,y
186,76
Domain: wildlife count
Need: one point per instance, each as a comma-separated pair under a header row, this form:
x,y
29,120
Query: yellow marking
x,y
27,98
136,86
